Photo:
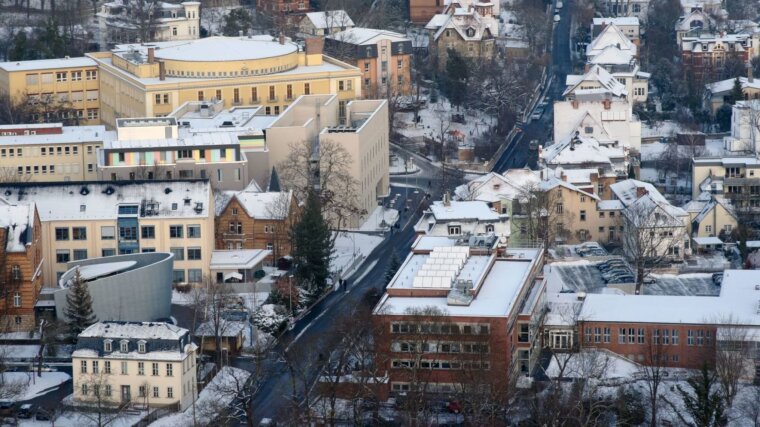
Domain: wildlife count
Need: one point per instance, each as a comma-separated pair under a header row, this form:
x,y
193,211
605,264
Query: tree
x,y
236,385
312,249
456,78
237,21
538,210
734,66
280,210
653,371
218,296
733,358
749,407
703,403
723,117
100,407
393,267
78,309
661,19
737,93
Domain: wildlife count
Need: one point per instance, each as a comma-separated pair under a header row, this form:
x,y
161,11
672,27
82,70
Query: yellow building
x,y
83,220
50,152
151,80
72,82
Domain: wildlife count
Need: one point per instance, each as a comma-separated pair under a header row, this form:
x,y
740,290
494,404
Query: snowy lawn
x,y
435,114
399,166
350,246
35,386
70,419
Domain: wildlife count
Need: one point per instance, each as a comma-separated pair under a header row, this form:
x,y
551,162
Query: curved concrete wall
x,y
141,293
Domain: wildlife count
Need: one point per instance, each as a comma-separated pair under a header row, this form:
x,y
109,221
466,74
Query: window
x,y
79,233
289,91
236,95
583,215
92,113
271,93
597,335
141,391
689,337
179,253
83,367
700,337
178,276
128,233
17,300
674,336
84,390
141,346
200,95
559,208
194,231
107,367
62,256
61,76
607,335
108,252
80,254
169,369
621,336
140,368
95,367
455,230
124,346
194,275
124,370
92,74
219,94
128,210
175,231
155,392
61,233
155,369
148,232
641,336
655,336
340,85
169,392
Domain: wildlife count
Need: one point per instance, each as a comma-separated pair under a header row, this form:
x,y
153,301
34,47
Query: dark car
x,y
6,408
25,411
43,415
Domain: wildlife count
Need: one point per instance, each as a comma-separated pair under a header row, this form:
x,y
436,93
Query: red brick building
x,y
457,318
705,56
20,265
273,7
421,11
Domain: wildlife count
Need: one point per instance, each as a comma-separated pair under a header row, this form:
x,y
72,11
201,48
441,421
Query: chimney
x,y
161,70
750,77
586,68
314,46
446,199
575,104
607,104
240,33
280,39
641,192
151,55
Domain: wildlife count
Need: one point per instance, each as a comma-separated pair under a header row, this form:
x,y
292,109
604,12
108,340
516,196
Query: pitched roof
x,y
257,204
728,85
577,150
610,36
596,74
612,55
461,21
365,36
134,330
330,18
18,220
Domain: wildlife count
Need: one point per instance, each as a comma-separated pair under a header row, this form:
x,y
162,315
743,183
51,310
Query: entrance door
x,y
126,395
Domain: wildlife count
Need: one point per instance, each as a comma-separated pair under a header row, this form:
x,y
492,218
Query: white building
x,y
579,152
120,22
611,35
692,24
745,127
598,115
324,23
462,219
133,362
629,25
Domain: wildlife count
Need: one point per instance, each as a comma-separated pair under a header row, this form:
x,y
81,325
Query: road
x,y
518,154
274,395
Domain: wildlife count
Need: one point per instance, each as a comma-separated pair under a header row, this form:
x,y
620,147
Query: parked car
x,y
43,415
25,411
556,17
623,278
6,408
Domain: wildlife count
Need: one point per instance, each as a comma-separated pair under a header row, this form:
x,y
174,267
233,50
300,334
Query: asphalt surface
x,y
518,154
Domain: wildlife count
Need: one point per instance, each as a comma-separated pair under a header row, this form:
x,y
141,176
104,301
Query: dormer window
x,y
470,32
124,346
489,228
141,346
108,346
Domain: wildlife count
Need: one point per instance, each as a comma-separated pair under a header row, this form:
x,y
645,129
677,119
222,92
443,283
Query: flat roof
x,y
48,64
69,135
191,140
240,258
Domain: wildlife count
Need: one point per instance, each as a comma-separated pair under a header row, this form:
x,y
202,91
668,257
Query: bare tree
x,y
98,406
236,385
733,357
749,406
653,369
540,214
216,299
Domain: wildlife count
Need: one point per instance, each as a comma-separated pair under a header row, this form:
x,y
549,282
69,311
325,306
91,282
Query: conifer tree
x,y
393,267
312,249
704,403
737,94
79,305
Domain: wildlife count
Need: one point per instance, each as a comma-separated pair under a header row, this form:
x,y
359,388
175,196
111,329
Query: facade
x,y
82,220
466,323
133,362
315,24
470,31
152,80
705,55
70,82
422,11
134,287
384,57
731,177
463,219
628,25
745,127
50,152
276,7
21,263
360,127
122,21
253,219
719,93
711,216
618,8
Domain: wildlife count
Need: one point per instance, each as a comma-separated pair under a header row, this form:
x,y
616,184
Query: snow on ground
x,y
399,166
35,386
182,298
70,419
374,221
347,243
586,363
16,352
665,128
253,300
652,151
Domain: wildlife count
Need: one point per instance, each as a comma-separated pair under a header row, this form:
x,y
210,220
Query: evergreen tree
x,y
705,406
312,249
393,266
20,48
457,74
79,305
736,93
236,21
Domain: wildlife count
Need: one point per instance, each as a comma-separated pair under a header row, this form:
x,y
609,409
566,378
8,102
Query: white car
x,y
559,5
556,17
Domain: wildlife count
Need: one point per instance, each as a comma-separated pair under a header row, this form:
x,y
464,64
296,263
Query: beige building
x,y
69,82
50,152
471,31
711,216
92,219
324,23
727,176
720,93
363,133
120,21
152,80
151,364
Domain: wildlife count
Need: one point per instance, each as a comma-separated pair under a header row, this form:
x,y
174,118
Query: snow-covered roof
x,y
626,191
227,328
610,36
82,201
463,210
596,75
258,204
222,49
203,139
463,20
366,36
68,135
702,241
134,331
738,300
330,19
684,22
18,220
48,64
609,205
727,161
579,150
238,258
554,182
707,42
93,271
612,55
711,204
644,213
620,20
493,187
727,85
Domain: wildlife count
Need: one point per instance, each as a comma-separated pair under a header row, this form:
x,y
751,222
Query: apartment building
x,y
457,317
273,7
81,220
360,127
324,23
122,21
711,216
50,152
745,127
72,83
135,362
463,218
705,55
384,58
732,177
21,263
154,79
611,35
469,30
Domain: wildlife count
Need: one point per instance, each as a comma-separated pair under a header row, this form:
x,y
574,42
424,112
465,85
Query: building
x,y
732,177
254,219
123,21
239,265
613,73
278,7
463,219
471,31
462,315
72,84
693,24
324,23
152,80
745,127
618,8
628,25
50,152
680,331
711,216
133,362
422,11
82,220
599,114
611,35
704,55
360,127
720,93
134,287
579,152
384,57
21,265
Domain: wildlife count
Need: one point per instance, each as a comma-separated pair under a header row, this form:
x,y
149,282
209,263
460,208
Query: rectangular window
x,y
108,252
340,85
642,336
194,275
271,93
178,276
62,256
79,233
95,367
61,233
80,254
61,76
92,74
124,370
179,253
141,391
127,233
583,215
84,390
621,336
689,337
219,94
674,336
169,392
155,392
193,254
631,335
83,367
155,369
289,91
148,232
109,391
607,335
169,369
140,368
107,367
175,231
194,231
200,95
306,89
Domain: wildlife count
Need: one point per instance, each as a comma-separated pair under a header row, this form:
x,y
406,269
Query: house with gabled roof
x,y
470,31
610,36
711,216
